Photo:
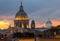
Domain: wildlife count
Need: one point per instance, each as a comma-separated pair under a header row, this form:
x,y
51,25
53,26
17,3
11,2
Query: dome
x,y
48,22
21,18
21,14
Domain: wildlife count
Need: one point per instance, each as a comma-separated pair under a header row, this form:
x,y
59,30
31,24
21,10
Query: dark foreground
x,y
57,38
32,39
38,39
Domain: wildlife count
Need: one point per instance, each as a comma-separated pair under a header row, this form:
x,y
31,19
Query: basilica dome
x,y
21,18
21,14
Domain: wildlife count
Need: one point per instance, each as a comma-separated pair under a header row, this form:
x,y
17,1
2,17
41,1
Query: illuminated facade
x,y
48,24
21,19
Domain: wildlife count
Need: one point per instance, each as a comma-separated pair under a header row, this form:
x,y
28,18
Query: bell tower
x,y
32,24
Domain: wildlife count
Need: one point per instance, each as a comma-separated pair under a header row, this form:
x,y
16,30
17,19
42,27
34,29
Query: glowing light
x,y
21,18
22,25
4,25
27,26
55,22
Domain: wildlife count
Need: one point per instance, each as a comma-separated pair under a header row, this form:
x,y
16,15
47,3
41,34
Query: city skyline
x,y
39,10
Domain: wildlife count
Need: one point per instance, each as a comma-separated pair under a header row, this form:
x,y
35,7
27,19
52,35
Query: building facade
x,y
48,24
21,19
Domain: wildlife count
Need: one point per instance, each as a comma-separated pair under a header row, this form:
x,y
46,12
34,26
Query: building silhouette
x,y
48,24
22,29
21,18
32,24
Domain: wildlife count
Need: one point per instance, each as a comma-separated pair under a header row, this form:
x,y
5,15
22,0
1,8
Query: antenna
x,y
21,3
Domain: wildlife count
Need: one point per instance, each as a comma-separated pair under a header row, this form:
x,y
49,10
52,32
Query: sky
x,y
38,10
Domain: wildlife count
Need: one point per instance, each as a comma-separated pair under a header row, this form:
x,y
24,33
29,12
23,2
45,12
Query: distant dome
x,y
48,22
21,14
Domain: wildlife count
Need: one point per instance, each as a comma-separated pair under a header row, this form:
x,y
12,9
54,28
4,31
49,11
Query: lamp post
x,y
34,35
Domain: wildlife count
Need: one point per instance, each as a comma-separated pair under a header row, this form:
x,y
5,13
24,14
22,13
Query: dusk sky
x,y
39,10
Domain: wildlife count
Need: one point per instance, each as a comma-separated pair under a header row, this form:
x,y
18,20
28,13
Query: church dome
x,y
48,22
21,14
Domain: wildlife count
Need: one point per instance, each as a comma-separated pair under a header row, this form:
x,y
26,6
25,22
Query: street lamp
x,y
35,35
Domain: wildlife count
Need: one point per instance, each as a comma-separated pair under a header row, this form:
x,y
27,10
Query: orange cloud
x,y
55,22
38,25
4,25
